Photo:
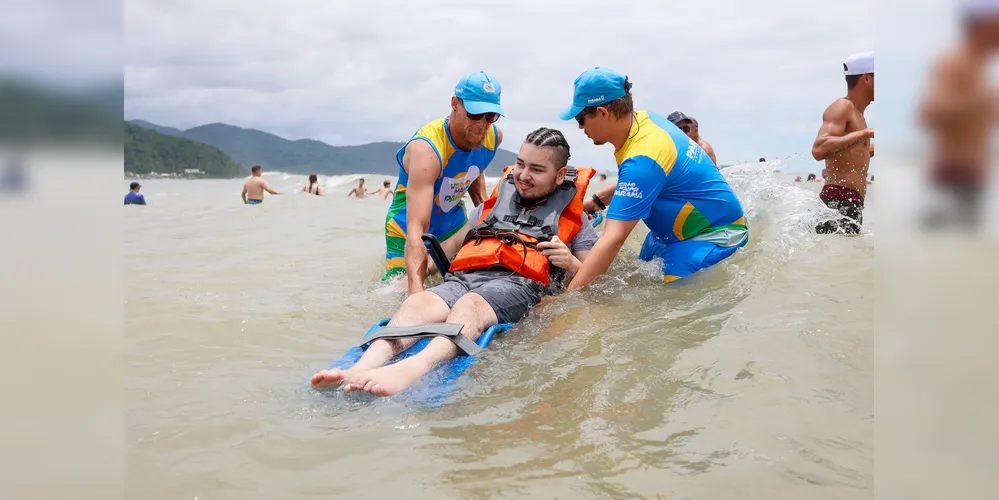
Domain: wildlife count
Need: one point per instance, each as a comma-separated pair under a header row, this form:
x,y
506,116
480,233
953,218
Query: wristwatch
x,y
599,202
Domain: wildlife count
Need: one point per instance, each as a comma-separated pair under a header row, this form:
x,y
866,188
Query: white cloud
x,y
757,75
70,44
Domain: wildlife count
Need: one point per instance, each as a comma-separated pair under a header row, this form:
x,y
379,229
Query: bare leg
x,y
417,309
471,310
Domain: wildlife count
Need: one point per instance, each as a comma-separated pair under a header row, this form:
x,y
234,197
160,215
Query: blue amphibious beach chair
x,y
437,384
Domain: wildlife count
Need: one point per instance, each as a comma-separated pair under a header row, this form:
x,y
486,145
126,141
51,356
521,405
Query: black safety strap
x,y
450,331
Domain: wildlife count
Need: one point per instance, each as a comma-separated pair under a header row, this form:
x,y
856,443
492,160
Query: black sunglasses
x,y
490,117
581,117
685,128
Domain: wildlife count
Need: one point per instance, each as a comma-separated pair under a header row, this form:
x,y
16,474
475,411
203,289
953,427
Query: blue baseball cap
x,y
594,87
480,93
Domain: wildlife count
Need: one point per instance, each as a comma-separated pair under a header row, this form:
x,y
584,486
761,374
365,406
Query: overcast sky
x,y
756,75
61,42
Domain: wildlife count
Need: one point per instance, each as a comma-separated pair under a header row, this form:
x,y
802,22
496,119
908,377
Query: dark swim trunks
x,y
849,203
510,295
253,202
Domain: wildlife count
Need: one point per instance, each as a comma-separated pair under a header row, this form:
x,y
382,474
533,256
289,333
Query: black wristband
x,y
599,202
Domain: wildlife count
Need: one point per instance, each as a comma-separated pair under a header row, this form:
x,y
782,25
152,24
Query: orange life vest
x,y
506,234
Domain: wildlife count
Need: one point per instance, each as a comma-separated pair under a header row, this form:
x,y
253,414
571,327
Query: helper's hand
x,y
590,206
559,255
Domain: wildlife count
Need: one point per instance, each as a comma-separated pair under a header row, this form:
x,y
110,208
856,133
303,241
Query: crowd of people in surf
x,y
255,187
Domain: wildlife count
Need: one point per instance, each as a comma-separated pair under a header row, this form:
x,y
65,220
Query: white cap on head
x,y
859,64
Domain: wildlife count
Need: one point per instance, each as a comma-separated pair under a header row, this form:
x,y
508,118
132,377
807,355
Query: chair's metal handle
x,y
437,253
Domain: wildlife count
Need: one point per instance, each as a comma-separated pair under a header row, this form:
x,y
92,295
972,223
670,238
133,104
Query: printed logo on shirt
x,y
692,148
628,190
454,189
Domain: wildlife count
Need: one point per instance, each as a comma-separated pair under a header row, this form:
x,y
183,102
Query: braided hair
x,y
551,138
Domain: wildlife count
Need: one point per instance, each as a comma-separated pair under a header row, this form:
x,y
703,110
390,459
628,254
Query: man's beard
x,y
534,200
479,142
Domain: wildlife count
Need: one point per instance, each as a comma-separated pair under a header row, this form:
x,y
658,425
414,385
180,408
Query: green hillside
x,y
304,156
150,151
33,114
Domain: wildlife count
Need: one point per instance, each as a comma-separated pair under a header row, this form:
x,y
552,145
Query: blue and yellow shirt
x,y
668,181
458,170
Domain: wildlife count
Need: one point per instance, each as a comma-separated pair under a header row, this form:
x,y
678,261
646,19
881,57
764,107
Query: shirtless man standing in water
x,y
960,109
385,191
690,127
254,187
359,191
844,142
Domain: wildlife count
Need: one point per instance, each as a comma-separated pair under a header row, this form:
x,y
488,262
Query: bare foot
x,y
329,378
378,353
387,380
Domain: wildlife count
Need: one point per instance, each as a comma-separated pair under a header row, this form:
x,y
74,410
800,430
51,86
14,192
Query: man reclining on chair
x,y
513,256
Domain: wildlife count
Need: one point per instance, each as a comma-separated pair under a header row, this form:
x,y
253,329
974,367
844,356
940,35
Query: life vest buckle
x,y
523,220
528,220
570,176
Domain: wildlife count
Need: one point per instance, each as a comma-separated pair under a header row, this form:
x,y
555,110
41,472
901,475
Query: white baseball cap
x,y
859,64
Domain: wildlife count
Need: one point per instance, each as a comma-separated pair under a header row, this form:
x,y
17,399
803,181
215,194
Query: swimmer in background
x,y
385,191
959,110
358,191
844,143
133,197
314,187
14,178
690,127
254,187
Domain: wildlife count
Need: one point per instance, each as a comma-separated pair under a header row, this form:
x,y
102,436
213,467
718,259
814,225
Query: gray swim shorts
x,y
510,295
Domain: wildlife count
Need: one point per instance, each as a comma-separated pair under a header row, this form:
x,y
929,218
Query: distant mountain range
x,y
158,128
304,156
148,151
